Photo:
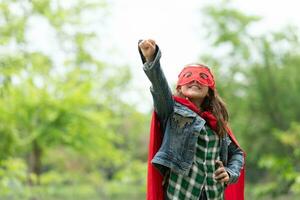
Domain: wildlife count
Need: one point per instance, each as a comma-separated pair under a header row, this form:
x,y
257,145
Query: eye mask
x,y
197,73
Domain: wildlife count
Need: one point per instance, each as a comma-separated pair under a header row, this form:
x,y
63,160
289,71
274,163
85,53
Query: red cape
x,y
154,178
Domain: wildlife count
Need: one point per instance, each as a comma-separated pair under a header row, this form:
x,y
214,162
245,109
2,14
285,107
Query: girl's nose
x,y
197,82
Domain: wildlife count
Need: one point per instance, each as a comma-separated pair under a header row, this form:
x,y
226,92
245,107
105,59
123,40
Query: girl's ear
x,y
178,89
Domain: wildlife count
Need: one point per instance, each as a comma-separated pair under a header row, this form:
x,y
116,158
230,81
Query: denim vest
x,y
181,127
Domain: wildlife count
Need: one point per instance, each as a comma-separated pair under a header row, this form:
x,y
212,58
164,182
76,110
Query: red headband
x,y
198,73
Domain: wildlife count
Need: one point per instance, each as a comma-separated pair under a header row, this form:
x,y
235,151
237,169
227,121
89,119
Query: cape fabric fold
x,y
154,178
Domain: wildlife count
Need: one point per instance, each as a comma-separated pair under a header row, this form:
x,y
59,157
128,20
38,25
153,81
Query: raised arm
x,y
161,93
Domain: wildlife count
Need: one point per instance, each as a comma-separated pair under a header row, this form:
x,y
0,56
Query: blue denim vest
x,y
181,127
180,136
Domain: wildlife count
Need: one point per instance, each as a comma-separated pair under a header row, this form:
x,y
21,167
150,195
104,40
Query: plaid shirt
x,y
200,177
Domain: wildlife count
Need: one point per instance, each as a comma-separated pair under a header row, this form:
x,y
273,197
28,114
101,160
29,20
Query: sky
x,y
176,27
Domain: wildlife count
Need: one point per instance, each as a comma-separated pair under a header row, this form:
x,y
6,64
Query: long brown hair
x,y
214,103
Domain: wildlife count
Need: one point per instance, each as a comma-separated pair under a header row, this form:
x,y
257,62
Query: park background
x,y
75,105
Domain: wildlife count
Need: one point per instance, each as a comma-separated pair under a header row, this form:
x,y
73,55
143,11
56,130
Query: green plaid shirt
x,y
200,177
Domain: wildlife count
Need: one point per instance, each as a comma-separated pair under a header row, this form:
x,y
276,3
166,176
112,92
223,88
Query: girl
x,y
192,152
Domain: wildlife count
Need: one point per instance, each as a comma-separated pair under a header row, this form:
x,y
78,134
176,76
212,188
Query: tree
x,y
48,100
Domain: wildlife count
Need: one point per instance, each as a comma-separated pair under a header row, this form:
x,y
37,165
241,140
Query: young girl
x,y
192,152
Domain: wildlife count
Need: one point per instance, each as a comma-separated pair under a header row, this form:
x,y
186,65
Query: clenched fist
x,y
148,49
221,175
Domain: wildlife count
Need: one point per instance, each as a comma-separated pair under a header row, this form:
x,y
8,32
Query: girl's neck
x,y
197,102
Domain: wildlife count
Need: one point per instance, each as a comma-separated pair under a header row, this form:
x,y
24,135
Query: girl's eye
x,y
188,74
204,76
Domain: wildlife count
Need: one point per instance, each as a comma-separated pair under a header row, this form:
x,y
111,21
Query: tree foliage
x,y
61,119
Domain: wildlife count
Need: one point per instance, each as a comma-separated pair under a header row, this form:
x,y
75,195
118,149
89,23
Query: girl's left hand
x,y
221,175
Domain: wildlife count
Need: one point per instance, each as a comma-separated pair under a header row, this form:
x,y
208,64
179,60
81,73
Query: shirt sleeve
x,y
235,161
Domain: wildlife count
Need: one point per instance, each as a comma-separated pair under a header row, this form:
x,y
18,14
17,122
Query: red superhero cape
x,y
154,178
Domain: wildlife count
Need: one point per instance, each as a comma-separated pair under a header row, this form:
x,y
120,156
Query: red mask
x,y
198,73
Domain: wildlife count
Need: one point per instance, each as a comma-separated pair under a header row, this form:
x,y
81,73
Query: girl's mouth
x,y
195,86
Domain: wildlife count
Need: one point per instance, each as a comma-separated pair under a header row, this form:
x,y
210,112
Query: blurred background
x,y
75,105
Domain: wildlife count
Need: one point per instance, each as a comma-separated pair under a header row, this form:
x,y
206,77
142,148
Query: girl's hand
x,y
221,175
148,49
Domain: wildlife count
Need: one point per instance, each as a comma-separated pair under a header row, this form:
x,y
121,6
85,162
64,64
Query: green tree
x,y
63,124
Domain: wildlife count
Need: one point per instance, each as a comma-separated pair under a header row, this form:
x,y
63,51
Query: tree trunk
x,y
35,162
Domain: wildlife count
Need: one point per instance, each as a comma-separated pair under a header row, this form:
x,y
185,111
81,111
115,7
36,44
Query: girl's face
x,y
194,90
